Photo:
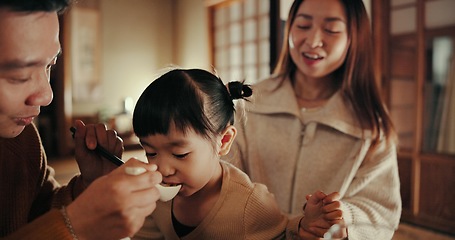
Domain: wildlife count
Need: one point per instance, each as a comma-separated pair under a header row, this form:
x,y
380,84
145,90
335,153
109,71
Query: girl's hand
x,y
321,212
334,215
314,221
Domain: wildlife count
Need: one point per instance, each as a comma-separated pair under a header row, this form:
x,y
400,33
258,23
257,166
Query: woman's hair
x,y
36,5
359,83
187,99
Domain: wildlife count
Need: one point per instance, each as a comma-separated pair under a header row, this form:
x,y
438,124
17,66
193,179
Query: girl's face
x,y
187,159
318,38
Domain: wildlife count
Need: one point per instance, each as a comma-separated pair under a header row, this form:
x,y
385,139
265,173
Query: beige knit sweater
x,y
244,210
28,191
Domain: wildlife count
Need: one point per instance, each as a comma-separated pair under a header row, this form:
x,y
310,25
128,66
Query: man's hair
x,y
36,5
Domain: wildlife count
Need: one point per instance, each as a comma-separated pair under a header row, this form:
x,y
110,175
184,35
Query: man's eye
x,y
18,80
181,156
17,76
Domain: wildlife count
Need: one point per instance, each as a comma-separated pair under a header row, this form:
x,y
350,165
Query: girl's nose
x,y
165,168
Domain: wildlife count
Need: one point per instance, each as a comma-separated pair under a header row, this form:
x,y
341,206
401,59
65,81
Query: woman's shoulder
x,y
268,84
272,95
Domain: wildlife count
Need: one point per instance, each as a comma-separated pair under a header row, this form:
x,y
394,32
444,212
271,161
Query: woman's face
x,y
187,159
318,38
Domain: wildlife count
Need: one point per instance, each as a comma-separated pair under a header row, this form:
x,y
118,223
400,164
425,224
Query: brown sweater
x,y
28,190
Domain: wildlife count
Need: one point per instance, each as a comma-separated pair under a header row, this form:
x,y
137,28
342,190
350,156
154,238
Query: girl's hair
x,y
187,99
359,83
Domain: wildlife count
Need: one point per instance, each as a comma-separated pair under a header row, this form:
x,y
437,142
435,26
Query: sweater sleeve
x,y
49,226
372,204
50,193
292,229
66,194
263,218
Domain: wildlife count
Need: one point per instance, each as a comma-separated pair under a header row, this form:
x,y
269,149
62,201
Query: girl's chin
x,y
186,193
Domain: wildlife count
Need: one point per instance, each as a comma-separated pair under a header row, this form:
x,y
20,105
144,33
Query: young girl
x,y
323,106
184,121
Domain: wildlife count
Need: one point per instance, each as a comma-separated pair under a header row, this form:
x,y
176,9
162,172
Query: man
x,y
32,204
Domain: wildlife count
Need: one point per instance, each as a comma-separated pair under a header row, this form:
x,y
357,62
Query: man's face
x,y
29,46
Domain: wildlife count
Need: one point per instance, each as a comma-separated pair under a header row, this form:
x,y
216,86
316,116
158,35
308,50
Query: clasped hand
x,y
321,212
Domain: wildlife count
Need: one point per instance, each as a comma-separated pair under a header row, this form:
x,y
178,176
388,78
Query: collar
x,y
276,96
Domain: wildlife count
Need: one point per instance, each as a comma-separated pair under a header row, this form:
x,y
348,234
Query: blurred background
x,y
112,49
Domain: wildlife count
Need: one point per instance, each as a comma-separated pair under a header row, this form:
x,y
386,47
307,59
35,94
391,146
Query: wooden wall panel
x,y
404,59
437,198
405,171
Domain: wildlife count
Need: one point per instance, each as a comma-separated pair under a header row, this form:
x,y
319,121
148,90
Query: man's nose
x,y
42,94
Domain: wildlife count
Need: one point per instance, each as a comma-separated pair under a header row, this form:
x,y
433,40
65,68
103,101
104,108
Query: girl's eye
x,y
150,155
181,156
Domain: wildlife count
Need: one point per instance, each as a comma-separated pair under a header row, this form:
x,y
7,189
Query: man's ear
x,y
227,138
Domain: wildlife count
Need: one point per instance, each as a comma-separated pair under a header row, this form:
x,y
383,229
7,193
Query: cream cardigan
x,y
296,152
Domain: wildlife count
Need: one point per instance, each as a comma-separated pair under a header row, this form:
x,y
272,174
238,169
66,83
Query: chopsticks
x,y
103,152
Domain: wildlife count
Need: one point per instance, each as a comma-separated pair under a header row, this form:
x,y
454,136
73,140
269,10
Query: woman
x,y
319,122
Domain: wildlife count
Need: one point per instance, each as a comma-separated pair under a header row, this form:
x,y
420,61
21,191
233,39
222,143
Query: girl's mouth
x,y
169,184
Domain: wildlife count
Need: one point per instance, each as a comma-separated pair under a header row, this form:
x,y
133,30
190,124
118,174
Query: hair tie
x,y
239,90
